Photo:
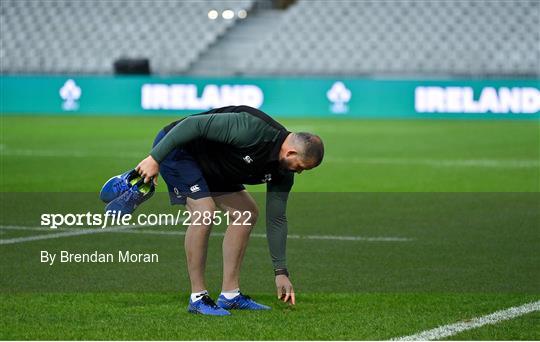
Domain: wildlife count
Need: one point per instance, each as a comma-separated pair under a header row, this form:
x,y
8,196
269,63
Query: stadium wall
x,y
281,97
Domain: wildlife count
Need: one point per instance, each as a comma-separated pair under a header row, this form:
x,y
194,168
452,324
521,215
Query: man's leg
x,y
236,236
196,242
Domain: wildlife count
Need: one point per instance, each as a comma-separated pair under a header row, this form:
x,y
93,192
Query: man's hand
x,y
285,290
148,169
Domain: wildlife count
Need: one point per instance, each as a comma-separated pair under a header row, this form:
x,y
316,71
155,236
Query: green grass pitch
x,y
439,223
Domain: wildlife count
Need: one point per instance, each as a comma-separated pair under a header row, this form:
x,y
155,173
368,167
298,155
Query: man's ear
x,y
291,153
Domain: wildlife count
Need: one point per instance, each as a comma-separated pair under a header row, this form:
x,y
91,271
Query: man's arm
x,y
228,128
276,233
276,227
218,127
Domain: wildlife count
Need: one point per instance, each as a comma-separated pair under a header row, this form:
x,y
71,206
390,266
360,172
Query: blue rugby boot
x,y
127,202
240,302
117,185
206,306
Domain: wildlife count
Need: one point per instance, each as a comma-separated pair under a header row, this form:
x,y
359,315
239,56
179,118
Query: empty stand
x,y
64,36
466,37
311,37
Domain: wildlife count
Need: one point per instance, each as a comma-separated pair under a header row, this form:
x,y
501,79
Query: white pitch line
x,y
484,163
351,238
43,229
453,329
290,236
64,153
57,235
127,230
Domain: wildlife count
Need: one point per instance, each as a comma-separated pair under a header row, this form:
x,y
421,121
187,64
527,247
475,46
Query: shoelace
x,y
247,303
120,187
133,195
208,301
124,185
245,296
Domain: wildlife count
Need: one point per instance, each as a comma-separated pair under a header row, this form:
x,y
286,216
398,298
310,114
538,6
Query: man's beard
x,y
284,167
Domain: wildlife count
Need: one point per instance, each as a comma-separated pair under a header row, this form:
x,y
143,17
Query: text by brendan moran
x,y
98,257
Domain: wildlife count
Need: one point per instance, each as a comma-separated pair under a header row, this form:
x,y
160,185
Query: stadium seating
x,y
465,37
64,36
406,37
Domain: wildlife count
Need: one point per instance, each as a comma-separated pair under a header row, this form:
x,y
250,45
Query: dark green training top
x,y
238,145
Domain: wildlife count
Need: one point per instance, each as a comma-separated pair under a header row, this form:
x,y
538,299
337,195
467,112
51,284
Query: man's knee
x,y
254,215
250,216
241,208
202,211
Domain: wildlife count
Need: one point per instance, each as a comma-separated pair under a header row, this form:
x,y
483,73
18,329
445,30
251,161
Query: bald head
x,y
309,146
301,151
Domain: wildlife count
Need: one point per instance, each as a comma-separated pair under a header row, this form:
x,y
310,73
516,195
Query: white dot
x,y
227,14
242,14
213,14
